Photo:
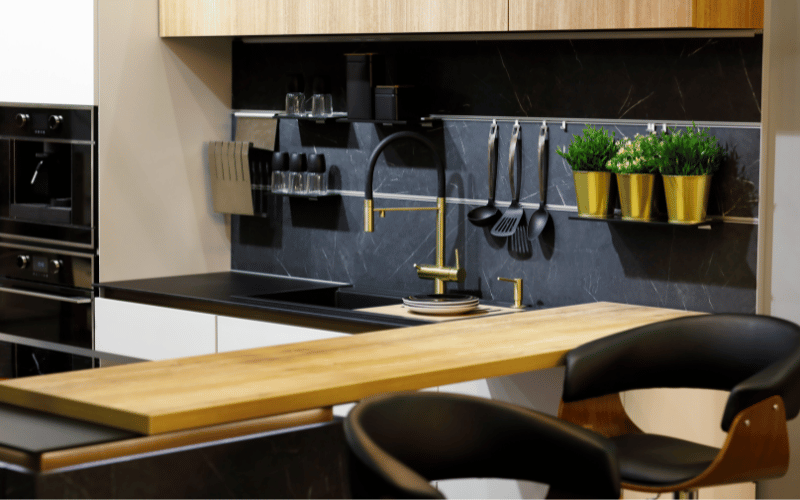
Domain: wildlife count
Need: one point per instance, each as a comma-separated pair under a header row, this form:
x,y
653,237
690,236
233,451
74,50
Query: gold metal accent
x,y
687,197
517,291
636,195
438,272
593,191
369,219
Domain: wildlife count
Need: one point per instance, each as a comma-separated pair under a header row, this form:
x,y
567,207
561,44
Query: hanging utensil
x,y
488,214
508,223
540,216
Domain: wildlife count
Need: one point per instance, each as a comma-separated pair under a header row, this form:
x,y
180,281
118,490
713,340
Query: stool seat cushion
x,y
656,460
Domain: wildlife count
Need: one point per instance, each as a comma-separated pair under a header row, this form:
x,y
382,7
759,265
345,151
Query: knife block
x,y
230,164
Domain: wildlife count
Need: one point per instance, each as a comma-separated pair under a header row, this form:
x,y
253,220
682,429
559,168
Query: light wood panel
x,y
162,396
447,16
546,15
331,17
729,14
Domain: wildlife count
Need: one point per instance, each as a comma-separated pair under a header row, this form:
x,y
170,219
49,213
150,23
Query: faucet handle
x,y
517,291
457,264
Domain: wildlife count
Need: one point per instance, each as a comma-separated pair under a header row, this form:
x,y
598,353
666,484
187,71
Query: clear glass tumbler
x,y
321,105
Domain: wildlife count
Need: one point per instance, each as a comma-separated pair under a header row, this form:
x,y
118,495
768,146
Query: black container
x,y
396,102
361,72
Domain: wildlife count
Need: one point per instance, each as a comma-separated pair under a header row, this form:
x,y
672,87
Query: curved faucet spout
x,y
438,272
373,159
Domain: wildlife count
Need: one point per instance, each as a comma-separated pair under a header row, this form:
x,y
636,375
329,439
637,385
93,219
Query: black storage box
x,y
396,102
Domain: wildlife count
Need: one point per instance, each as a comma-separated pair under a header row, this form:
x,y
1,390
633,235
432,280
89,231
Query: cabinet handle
x,y
71,300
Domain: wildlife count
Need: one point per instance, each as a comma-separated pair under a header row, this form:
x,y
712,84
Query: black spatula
x,y
508,223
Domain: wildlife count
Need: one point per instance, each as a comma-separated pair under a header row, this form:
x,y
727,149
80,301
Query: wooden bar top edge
x,y
170,395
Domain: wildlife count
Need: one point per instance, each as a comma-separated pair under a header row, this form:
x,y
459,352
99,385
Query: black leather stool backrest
x,y
752,356
412,438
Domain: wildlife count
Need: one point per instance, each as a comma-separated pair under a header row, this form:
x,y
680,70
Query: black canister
x,y
396,102
361,71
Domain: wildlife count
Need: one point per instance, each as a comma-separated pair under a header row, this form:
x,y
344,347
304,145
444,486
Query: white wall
x,y
47,51
159,103
779,238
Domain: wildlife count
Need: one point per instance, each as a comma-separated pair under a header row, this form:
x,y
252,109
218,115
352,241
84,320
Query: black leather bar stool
x,y
409,439
756,358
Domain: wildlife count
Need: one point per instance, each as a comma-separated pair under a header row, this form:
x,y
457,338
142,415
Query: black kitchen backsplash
x,y
574,261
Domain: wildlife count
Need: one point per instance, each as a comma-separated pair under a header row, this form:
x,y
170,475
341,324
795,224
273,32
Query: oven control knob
x,y
54,122
56,265
21,120
22,261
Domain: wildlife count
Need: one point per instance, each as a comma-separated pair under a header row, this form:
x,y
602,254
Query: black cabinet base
x,y
306,462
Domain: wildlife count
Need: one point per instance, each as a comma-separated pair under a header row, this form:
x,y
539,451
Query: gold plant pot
x,y
636,196
593,190
687,197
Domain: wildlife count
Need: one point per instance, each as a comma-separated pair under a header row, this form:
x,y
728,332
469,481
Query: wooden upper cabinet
x,y
329,17
546,15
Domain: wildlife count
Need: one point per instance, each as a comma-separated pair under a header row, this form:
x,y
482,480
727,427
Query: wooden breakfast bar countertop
x,y
173,395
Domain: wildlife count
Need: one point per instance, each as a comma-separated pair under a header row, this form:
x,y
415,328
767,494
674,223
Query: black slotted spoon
x,y
508,223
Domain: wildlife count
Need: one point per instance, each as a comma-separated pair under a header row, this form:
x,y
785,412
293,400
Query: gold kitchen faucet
x,y
438,272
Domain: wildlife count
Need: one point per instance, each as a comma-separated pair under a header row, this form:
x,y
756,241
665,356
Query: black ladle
x,y
540,216
488,214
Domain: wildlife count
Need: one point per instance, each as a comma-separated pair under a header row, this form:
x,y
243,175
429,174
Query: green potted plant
x,y
635,166
588,156
687,160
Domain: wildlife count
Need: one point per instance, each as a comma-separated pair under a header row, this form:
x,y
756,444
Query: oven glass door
x,y
46,313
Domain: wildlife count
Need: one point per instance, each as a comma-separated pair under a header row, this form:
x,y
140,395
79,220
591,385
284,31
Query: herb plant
x,y
591,152
689,152
636,156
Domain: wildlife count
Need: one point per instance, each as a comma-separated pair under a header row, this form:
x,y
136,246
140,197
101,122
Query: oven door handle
x,y
71,300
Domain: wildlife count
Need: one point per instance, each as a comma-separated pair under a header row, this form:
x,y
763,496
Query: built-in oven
x,y
45,309
48,238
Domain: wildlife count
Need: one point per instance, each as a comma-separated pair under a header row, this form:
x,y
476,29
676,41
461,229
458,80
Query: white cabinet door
x,y
152,332
234,334
48,52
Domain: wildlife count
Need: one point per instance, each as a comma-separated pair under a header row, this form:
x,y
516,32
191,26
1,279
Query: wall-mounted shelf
x,y
706,224
316,119
421,122
305,196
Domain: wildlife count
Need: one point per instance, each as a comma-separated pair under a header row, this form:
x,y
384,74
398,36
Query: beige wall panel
x,y
598,14
455,15
160,101
778,266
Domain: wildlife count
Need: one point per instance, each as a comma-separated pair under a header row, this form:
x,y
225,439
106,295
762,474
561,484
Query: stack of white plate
x,y
441,303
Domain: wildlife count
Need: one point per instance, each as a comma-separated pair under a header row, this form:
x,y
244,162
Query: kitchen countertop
x,y
228,294
163,396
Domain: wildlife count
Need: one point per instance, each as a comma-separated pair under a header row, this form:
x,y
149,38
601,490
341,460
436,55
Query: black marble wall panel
x,y
664,79
574,261
303,462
